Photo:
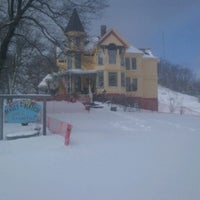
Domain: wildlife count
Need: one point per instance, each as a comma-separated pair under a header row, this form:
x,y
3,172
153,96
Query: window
x,y
112,53
112,56
122,79
127,63
100,58
100,79
128,84
134,85
78,61
69,61
134,63
112,78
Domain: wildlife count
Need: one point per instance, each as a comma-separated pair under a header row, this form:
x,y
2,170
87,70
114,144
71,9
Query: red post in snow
x,y
67,134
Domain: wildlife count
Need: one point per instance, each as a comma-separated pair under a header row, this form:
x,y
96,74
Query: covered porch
x,y
79,81
71,85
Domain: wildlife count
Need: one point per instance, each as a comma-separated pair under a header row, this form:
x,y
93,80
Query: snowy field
x,y
119,155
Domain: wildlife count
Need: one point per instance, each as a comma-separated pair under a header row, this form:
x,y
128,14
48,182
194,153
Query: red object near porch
x,y
67,134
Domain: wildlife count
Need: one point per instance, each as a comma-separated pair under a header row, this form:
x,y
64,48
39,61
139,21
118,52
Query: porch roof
x,y
80,72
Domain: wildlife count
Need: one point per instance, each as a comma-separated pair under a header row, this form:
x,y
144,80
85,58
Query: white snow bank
x,y
180,102
22,134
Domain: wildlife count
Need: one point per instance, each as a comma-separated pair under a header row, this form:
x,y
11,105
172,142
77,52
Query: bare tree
x,y
49,18
177,78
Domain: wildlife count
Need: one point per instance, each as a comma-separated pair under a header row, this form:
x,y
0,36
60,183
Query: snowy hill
x,y
171,100
112,155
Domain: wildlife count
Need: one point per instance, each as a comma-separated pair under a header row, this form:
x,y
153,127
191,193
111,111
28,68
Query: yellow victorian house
x,y
108,67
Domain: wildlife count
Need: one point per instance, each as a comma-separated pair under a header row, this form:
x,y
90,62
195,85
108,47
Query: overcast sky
x,y
171,28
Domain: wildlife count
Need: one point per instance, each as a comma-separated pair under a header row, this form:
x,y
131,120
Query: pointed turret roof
x,y
75,23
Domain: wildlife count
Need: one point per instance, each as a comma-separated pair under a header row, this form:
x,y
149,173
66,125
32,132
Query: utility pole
x,y
163,45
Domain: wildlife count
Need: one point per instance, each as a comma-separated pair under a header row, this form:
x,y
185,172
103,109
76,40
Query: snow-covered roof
x,y
48,77
132,49
80,71
43,83
147,53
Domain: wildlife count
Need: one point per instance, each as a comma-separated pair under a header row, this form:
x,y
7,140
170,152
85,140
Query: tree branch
x,y
43,29
33,44
53,18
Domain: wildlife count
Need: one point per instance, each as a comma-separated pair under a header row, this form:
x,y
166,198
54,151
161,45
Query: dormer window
x,y
112,53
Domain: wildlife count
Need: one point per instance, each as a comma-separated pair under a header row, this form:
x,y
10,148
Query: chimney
x,y
103,30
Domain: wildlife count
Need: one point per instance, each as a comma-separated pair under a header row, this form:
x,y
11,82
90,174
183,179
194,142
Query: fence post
x,y
44,116
67,134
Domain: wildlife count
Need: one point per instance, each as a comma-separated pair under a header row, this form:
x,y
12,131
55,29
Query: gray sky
x,y
171,28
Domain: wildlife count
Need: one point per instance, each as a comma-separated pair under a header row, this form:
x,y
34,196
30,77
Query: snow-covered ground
x,y
112,155
169,99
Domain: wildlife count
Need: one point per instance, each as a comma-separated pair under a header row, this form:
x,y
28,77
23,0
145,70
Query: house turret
x,y
75,34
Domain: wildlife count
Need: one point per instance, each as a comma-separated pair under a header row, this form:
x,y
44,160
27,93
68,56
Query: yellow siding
x,y
150,78
88,62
